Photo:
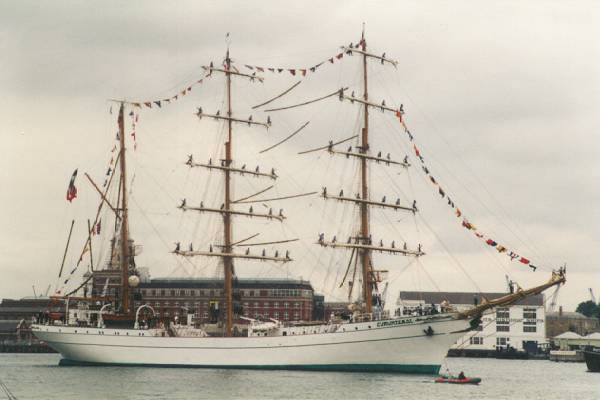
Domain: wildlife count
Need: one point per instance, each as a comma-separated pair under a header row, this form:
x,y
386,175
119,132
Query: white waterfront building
x,y
521,326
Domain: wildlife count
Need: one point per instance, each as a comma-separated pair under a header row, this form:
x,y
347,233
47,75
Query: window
x,y
286,316
501,341
163,293
276,304
296,305
153,292
476,340
192,292
172,293
529,320
276,315
264,293
266,304
286,305
256,304
201,293
296,315
251,293
157,304
529,313
183,292
502,319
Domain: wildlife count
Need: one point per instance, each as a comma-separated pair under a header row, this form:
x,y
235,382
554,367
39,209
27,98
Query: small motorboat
x,y
464,380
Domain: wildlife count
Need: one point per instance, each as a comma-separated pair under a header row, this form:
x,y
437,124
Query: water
x,y
37,376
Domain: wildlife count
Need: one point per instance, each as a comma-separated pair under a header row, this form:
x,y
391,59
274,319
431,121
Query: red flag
x,y
339,56
292,71
491,242
399,115
524,260
417,152
148,104
72,190
98,228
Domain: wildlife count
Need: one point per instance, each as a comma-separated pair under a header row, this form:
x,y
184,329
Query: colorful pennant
x,y
459,214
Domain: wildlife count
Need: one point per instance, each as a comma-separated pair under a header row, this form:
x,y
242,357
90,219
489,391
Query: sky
x,y
500,97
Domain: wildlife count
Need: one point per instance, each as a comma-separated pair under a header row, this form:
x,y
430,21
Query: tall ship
x,y
107,328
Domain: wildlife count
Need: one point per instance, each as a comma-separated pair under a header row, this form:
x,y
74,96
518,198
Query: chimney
x,y
560,311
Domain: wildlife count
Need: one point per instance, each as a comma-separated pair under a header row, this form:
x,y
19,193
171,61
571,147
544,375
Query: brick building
x,y
282,299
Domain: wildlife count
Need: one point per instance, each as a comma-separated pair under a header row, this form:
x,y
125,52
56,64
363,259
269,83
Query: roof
x,y
466,297
217,283
566,314
568,335
595,335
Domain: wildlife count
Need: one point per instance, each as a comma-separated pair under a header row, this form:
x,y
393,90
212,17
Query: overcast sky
x,y
500,96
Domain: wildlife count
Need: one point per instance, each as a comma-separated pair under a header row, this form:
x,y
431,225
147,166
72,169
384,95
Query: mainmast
x,y
228,208
124,217
227,260
364,207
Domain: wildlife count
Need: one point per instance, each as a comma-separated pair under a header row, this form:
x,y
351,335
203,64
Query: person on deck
x,y
461,375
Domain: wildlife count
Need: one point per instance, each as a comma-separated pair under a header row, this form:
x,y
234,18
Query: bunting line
x,y
457,211
159,103
302,72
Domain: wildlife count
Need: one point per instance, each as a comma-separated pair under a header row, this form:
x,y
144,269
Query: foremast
x,y
365,225
363,244
227,210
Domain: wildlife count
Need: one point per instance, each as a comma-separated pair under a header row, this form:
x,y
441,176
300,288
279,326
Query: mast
x,y
362,244
124,220
227,250
364,207
227,260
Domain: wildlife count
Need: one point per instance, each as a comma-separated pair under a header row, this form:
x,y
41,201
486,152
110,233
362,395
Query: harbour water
x,y
38,376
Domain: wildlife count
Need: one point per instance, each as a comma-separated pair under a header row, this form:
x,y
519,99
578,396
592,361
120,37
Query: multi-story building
x,y
521,326
282,299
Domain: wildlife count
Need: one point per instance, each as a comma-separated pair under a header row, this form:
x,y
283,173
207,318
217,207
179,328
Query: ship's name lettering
x,y
394,322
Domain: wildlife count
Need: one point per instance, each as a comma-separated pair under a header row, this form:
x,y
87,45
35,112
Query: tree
x,y
589,309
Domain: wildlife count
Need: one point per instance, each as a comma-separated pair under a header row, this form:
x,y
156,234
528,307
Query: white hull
x,y
400,345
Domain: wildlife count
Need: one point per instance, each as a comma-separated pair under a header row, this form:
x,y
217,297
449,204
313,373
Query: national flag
x,y
524,260
491,242
292,71
98,226
72,190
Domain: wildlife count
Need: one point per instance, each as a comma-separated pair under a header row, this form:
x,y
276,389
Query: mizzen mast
x,y
124,216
